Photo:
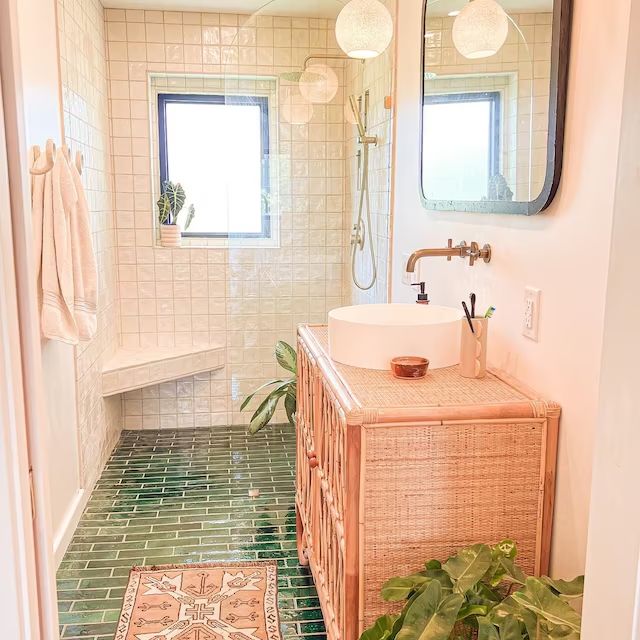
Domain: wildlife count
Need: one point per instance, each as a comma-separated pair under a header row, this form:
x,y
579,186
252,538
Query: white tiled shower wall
x,y
86,122
243,298
376,77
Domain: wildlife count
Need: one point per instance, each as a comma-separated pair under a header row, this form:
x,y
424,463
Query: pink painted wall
x,y
564,252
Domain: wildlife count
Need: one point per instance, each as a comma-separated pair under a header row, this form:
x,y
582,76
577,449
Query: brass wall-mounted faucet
x,y
462,250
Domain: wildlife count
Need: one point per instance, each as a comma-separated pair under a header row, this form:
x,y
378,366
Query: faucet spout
x,y
462,250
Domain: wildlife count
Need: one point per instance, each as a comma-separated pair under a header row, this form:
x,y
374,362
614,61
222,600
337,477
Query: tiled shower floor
x,y
182,496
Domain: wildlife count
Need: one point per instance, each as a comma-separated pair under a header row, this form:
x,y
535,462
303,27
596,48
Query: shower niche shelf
x,y
131,369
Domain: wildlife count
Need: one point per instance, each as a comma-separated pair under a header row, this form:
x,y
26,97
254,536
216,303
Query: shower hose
x,y
363,233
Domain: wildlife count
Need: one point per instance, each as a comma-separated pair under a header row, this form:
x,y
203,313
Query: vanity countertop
x,y
442,395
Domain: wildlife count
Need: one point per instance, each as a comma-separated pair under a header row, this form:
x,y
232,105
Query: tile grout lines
x,y
182,496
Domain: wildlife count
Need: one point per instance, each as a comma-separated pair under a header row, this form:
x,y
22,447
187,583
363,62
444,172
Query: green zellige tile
x,y
167,497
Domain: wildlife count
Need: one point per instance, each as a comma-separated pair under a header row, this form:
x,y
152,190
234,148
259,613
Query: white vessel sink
x,y
369,336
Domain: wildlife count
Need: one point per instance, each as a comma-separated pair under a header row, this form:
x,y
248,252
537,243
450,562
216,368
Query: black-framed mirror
x,y
494,86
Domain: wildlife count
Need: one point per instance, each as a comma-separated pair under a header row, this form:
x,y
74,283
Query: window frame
x,y
247,100
495,100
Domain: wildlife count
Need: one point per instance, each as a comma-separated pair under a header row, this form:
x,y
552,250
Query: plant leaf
x,y
569,589
486,630
510,629
265,411
398,589
508,548
381,630
191,214
431,616
540,600
250,397
468,567
286,357
175,194
290,404
468,610
164,209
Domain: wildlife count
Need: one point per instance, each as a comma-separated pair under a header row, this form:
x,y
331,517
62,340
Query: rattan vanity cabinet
x,y
391,473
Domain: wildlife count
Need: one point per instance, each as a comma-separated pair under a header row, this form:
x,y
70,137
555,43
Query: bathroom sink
x,y
369,336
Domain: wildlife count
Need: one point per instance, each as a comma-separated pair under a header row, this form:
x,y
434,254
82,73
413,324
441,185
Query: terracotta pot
x,y
170,235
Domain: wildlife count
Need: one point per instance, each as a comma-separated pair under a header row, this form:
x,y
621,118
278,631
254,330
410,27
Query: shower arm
x,y
326,56
363,137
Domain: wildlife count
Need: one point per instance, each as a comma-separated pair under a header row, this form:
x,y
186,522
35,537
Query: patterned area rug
x,y
210,601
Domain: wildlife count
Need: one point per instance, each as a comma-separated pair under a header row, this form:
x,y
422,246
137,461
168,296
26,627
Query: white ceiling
x,y
307,8
443,7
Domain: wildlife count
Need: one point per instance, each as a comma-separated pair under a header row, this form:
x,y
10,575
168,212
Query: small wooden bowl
x,y
409,367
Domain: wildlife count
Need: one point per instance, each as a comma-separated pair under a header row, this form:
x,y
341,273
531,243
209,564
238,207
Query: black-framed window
x,y
217,147
463,133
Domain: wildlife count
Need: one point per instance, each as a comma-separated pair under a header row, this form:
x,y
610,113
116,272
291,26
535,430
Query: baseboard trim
x,y
62,537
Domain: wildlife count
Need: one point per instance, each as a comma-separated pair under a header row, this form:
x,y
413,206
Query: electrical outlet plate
x,y
531,313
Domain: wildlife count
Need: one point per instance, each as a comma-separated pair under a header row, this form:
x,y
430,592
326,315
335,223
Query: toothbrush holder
x,y
473,348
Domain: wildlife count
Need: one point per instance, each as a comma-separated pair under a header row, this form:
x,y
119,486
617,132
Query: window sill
x,y
224,243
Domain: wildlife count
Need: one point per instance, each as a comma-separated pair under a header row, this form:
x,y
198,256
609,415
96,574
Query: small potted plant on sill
x,y
479,594
170,205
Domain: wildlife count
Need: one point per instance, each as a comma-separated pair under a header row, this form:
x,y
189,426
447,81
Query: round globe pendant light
x,y
480,30
319,83
296,109
364,29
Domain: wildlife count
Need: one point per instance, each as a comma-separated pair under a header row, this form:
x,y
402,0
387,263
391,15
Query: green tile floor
x,y
182,496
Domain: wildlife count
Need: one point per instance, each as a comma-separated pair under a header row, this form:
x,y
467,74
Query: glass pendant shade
x,y
319,84
480,30
296,109
364,29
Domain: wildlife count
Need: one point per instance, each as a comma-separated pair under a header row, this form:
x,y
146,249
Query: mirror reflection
x,y
486,103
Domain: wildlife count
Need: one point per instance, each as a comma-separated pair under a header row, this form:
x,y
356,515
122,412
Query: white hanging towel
x,y
85,278
59,201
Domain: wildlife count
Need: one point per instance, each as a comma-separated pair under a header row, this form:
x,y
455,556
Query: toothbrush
x,y
473,305
490,312
466,313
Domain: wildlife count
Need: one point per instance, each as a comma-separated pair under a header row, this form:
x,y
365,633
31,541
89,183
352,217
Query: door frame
x,y
29,554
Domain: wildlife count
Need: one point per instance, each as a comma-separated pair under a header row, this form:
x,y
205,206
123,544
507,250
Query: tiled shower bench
x,y
131,369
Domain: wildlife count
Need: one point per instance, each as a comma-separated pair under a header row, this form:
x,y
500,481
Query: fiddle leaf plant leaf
x,y
431,615
468,567
540,600
382,628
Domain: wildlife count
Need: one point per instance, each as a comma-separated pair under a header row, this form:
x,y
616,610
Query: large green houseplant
x,y
480,593
283,388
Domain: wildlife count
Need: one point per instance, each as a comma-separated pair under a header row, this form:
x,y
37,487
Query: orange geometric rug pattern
x,y
211,601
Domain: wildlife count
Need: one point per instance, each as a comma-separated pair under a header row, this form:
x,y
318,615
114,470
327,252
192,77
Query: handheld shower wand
x,y
362,231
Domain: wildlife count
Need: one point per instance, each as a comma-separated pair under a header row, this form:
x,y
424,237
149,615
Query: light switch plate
x,y
531,313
